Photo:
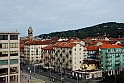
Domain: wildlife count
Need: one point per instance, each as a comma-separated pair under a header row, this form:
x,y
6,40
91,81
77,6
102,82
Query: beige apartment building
x,y
9,57
32,50
47,57
69,56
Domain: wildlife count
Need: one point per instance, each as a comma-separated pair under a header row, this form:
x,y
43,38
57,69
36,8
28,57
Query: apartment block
x,y
9,57
112,59
68,56
47,57
32,50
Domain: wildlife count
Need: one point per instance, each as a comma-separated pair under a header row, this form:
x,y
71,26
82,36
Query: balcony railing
x,y
108,60
108,56
117,62
109,64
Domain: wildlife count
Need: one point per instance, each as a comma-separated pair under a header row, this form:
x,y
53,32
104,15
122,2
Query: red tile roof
x,y
92,43
110,46
74,40
104,42
93,48
21,45
38,42
48,47
64,44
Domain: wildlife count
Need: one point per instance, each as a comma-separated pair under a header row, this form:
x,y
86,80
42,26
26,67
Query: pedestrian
x,y
44,81
30,77
30,71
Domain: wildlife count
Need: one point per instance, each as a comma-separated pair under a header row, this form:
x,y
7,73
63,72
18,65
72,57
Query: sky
x,y
46,16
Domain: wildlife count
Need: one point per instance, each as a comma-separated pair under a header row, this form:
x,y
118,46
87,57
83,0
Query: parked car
x,y
52,78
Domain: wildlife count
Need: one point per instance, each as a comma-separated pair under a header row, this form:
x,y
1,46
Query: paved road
x,y
45,75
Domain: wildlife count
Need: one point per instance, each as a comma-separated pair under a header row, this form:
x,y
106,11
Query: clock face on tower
x,y
30,30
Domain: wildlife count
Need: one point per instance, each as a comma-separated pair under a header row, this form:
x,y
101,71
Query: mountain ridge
x,y
111,29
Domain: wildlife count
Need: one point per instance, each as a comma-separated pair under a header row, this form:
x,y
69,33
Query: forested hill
x,y
112,29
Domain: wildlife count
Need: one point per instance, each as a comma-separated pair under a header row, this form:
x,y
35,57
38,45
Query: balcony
x,y
58,50
108,60
63,51
109,64
109,68
61,55
108,56
67,56
117,56
70,52
117,62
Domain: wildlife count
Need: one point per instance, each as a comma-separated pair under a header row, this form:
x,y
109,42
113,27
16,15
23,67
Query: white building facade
x,y
9,56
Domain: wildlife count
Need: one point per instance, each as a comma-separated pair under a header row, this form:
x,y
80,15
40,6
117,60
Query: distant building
x,y
30,33
112,58
9,56
32,50
48,57
69,55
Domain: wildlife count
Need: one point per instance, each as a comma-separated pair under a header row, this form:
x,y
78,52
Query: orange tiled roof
x,y
97,41
74,40
21,45
92,43
38,42
110,46
48,47
104,42
64,44
92,48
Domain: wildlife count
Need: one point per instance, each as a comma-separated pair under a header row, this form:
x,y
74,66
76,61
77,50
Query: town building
x,y
9,56
32,50
112,58
47,57
30,33
69,55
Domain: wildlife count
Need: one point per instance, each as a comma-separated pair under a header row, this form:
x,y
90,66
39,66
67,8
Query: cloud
x,y
56,15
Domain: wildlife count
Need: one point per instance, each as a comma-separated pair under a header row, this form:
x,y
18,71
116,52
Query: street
x,y
45,76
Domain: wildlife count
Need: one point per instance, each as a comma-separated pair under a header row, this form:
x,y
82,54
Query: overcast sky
x,y
47,16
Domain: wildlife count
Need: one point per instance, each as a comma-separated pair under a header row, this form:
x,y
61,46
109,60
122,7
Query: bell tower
x,y
30,33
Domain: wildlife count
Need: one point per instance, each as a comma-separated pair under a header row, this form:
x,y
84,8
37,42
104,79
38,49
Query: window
x,y
14,61
36,51
4,53
13,37
13,53
4,45
13,45
80,49
3,62
80,62
0,45
75,49
3,37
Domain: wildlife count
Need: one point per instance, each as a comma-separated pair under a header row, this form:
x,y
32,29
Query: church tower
x,y
30,33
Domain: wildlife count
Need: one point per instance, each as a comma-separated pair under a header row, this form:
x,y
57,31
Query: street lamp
x,y
34,69
115,78
77,77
